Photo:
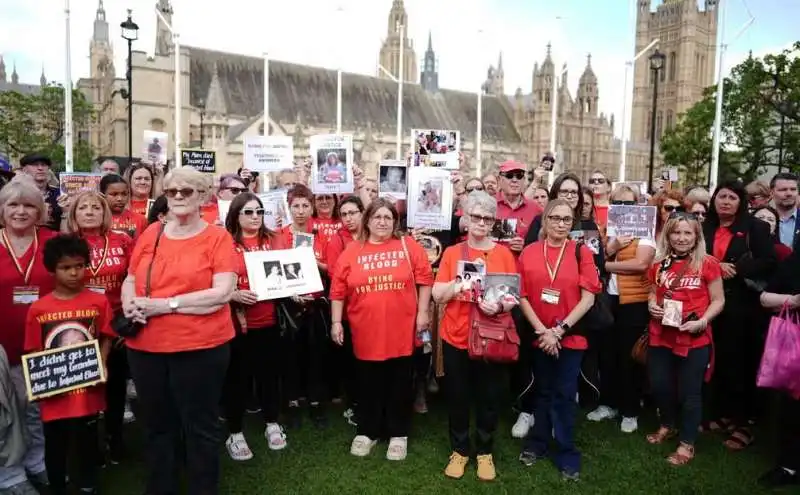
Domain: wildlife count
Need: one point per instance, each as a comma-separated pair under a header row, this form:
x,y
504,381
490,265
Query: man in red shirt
x,y
511,204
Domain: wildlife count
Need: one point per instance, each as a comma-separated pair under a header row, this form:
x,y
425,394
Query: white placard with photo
x,y
282,273
275,207
393,179
268,153
154,147
633,220
430,198
332,164
223,207
436,148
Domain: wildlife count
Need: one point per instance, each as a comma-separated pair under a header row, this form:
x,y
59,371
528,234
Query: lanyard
x,y
26,274
553,272
96,269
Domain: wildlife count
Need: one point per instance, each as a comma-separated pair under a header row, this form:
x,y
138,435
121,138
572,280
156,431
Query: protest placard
x,y
72,183
393,181
436,148
632,220
154,147
282,273
430,198
200,160
223,207
332,164
62,369
275,208
268,153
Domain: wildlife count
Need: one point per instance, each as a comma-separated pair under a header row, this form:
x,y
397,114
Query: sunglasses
x,y
516,174
625,203
672,208
186,192
597,181
249,212
235,190
478,219
685,215
476,188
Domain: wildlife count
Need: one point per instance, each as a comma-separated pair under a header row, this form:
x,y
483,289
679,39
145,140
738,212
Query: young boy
x,y
69,315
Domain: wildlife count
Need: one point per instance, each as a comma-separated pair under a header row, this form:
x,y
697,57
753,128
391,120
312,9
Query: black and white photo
x,y
293,271
274,274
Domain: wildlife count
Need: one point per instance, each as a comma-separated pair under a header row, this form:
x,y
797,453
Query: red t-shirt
x,y
335,248
129,222
376,282
53,323
12,329
601,216
210,213
260,314
569,280
327,227
109,265
722,239
692,292
183,266
525,212
139,206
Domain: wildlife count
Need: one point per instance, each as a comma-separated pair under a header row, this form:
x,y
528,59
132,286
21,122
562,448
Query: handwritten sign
x,y
268,153
72,183
636,221
63,369
200,160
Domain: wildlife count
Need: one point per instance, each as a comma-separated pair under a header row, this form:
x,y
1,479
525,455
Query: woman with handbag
x,y
466,379
259,348
746,253
685,295
385,282
559,283
621,379
181,278
90,217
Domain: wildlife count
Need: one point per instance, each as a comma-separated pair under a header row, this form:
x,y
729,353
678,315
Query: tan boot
x,y
486,471
455,468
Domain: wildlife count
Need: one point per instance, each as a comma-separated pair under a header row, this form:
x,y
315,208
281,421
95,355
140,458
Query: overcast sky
x,y
311,32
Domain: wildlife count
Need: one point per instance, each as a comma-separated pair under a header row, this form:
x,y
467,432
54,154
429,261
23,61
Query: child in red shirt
x,y
69,315
123,219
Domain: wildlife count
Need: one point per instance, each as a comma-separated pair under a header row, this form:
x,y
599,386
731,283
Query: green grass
x,y
319,462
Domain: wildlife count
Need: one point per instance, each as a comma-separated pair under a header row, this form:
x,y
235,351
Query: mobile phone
x,y
692,317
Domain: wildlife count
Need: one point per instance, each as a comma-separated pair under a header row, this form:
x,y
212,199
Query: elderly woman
x,y
23,279
758,194
559,283
181,278
90,217
385,281
467,380
142,180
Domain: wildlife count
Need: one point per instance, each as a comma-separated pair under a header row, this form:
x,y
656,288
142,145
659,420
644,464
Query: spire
x,y
2,69
163,35
14,75
100,24
500,62
43,79
430,41
429,77
215,99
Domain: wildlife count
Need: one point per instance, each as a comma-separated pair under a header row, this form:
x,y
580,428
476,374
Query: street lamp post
x,y
130,32
202,118
656,65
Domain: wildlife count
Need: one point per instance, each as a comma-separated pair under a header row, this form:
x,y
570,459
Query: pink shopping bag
x,y
780,363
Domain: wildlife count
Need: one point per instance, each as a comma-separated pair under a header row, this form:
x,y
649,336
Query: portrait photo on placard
x,y
69,333
504,229
303,240
469,280
274,274
154,147
429,199
393,181
293,271
436,148
501,287
332,165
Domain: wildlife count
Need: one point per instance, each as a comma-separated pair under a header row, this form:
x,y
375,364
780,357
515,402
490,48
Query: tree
x,y
760,97
35,123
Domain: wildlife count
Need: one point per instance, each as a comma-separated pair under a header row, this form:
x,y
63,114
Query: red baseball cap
x,y
511,165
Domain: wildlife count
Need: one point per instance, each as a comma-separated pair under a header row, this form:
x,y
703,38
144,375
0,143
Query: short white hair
x,y
198,180
480,200
23,187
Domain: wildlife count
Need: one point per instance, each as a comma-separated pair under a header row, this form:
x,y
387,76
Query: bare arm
x,y
424,301
337,308
770,300
635,266
443,292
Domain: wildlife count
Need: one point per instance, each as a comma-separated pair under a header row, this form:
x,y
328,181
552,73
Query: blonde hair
x,y
23,187
699,195
665,250
625,188
72,226
551,205
758,188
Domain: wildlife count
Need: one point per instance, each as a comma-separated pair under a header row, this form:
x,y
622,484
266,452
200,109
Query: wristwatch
x,y
173,303
564,326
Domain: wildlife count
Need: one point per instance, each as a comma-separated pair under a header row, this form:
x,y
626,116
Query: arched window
x,y
672,65
669,119
659,122
157,125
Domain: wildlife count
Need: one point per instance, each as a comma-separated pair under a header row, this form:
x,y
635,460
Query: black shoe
x,y
318,416
528,458
294,419
778,477
570,475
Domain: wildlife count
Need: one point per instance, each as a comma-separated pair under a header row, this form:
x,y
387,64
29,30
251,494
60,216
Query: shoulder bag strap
x,y
465,251
152,260
408,260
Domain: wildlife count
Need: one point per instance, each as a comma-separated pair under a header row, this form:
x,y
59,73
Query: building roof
x,y
27,89
310,93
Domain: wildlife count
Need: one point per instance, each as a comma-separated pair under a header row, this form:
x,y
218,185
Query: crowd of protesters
x,y
147,253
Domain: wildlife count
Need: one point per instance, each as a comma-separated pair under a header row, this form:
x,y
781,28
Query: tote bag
x,y
780,363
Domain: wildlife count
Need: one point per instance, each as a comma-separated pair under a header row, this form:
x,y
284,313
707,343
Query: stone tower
x,y
495,79
588,95
101,55
688,37
163,36
429,79
390,51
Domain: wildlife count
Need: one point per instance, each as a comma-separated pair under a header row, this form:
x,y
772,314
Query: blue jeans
x,y
665,367
33,462
556,386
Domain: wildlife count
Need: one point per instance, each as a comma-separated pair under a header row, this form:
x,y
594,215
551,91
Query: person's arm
x,y
771,300
337,310
444,292
583,307
202,302
424,301
634,266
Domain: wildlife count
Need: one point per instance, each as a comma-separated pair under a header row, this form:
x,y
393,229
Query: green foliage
x,y
35,123
757,97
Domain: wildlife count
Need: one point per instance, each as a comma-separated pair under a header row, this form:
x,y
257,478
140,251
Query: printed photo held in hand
x,y
302,240
72,183
154,147
430,198
282,273
591,238
392,179
470,278
501,288
276,209
632,220
332,168
436,148
504,229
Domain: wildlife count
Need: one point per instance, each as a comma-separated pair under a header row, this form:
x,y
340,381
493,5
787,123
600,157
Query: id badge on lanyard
x,y
26,293
551,295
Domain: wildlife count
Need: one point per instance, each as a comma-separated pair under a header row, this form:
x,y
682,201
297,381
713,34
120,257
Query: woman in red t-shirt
x,y
257,351
90,217
23,280
326,216
142,180
123,219
600,187
385,281
685,295
557,290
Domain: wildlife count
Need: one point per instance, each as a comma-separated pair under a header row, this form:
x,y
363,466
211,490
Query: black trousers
x,y
307,352
341,371
789,433
67,436
258,356
422,367
622,380
521,373
116,394
179,394
385,397
469,382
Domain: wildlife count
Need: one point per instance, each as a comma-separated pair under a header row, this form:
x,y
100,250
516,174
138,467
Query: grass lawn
x,y
318,462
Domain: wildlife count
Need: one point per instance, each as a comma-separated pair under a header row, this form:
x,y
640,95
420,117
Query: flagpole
x,y
400,80
68,162
340,12
479,117
266,94
176,43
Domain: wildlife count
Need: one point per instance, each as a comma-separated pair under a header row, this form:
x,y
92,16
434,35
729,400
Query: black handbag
x,y
125,327
599,317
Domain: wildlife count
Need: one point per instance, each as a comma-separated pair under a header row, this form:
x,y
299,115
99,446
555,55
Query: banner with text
x,y
72,183
63,369
200,160
268,153
632,220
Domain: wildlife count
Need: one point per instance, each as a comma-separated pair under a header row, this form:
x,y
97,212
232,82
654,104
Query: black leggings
x,y
116,394
307,353
64,436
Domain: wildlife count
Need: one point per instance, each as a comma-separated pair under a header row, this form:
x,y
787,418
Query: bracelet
x,y
336,323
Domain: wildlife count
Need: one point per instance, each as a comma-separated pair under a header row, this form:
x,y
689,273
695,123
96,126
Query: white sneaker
x,y
362,446
398,449
276,438
237,447
629,425
522,426
128,417
602,413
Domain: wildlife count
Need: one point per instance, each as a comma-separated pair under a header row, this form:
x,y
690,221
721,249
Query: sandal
x,y
663,434
716,426
741,438
682,456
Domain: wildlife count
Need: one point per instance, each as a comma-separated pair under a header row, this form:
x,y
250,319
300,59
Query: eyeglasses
x,y
515,174
672,208
597,181
560,220
476,188
626,203
478,219
235,190
684,215
186,192
249,212
345,214
568,192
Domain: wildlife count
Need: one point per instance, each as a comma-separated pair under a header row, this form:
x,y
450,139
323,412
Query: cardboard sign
x,y
154,147
72,183
283,273
63,369
635,221
200,160
268,153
